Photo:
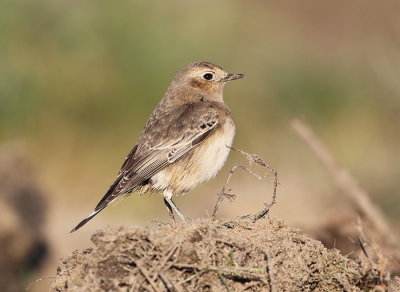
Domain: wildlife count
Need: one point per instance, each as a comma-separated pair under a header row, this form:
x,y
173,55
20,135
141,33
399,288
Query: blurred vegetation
x,y
79,79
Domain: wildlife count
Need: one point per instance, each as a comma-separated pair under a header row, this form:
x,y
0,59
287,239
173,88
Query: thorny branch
x,y
253,159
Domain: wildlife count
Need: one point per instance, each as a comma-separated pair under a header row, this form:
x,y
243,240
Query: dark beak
x,y
231,76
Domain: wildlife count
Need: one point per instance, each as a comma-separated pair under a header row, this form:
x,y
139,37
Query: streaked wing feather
x,y
193,125
128,160
161,159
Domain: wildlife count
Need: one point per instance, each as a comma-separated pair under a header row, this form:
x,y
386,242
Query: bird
x,y
184,143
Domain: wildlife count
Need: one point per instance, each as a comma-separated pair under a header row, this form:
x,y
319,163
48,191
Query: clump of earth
x,y
212,256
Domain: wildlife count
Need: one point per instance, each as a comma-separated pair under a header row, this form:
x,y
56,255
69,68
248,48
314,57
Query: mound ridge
x,y
204,256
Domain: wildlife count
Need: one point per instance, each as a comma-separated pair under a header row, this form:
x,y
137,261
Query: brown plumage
x,y
184,142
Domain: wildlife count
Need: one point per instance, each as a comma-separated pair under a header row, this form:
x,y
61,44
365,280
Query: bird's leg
x,y
176,210
170,213
170,204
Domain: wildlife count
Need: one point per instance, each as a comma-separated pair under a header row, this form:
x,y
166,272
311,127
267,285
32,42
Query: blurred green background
x,y
78,81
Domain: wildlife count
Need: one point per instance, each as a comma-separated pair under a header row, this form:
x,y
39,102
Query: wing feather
x,y
163,143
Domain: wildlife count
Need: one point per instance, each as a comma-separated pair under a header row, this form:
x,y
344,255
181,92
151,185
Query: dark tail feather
x,y
87,219
108,198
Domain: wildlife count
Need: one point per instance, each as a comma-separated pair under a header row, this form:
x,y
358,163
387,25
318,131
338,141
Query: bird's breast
x,y
212,154
202,164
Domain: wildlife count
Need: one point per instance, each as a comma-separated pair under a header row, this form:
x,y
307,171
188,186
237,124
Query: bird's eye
x,y
208,76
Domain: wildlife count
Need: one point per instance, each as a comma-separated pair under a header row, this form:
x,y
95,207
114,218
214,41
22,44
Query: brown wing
x,y
166,138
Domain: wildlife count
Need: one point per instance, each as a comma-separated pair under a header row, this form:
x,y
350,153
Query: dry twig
x,y
268,269
345,181
243,273
380,266
145,274
168,284
253,159
158,273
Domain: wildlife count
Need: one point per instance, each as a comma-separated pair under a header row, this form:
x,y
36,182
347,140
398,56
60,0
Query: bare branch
x,y
345,181
252,159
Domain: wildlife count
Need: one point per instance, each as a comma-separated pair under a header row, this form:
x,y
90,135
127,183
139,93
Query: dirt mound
x,y
204,256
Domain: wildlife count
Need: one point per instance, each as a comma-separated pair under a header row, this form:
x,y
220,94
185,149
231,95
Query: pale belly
x,y
199,166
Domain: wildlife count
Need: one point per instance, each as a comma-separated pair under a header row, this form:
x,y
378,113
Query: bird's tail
x,y
87,219
107,199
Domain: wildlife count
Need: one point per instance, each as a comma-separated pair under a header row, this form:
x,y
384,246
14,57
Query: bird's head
x,y
205,77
